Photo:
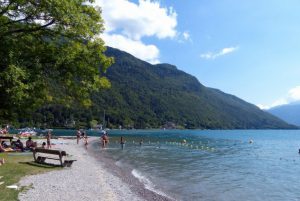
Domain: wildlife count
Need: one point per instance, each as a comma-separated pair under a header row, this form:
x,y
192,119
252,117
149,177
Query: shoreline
x,y
86,180
125,174
91,177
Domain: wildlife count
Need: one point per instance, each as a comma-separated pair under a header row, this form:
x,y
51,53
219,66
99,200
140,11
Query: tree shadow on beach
x,y
41,165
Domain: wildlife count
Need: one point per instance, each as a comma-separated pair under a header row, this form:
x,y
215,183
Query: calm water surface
x,y
213,165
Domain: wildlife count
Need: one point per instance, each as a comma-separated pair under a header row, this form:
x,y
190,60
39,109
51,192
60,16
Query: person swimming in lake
x,y
122,142
141,142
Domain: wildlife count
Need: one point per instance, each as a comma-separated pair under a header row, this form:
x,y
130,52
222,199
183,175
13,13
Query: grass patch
x,y
16,167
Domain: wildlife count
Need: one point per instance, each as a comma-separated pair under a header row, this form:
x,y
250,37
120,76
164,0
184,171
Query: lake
x,y
212,164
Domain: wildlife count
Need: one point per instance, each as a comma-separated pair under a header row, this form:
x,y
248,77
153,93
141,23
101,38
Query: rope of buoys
x,y
192,145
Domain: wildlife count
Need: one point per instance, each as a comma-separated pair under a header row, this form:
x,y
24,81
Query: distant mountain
x,y
146,95
289,113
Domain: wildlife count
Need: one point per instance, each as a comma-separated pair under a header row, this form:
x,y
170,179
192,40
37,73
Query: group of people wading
x,y
82,135
103,138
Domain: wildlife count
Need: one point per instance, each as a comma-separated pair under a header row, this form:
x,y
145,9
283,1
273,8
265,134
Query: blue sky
x,y
246,48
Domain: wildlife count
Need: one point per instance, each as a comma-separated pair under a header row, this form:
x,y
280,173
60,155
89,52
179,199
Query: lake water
x,y
213,165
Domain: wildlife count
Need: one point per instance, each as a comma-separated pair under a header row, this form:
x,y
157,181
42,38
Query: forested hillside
x,y
148,96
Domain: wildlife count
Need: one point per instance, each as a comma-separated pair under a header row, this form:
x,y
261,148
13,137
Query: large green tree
x,y
50,52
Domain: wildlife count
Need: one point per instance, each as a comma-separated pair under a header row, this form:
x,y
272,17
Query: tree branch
x,y
12,21
28,30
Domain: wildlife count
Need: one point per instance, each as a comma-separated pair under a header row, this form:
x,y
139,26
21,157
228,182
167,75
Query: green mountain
x,y
146,95
150,96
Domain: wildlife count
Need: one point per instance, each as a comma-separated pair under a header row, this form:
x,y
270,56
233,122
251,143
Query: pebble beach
x,y
86,180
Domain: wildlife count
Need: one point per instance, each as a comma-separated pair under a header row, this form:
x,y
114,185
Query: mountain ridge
x,y
209,108
289,112
143,95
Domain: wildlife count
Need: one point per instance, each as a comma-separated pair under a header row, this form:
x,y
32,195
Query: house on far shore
x,y
169,125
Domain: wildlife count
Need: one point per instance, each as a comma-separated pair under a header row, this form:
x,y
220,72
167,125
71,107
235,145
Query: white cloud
x,y
147,18
294,93
291,96
149,53
183,37
276,103
130,22
222,52
186,35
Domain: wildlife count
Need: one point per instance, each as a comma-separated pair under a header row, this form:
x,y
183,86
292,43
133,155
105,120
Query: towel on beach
x,y
12,187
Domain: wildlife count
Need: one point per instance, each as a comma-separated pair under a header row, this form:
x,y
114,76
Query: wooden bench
x,y
41,159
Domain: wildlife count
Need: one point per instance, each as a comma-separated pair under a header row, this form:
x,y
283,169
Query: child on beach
x,y
78,134
43,145
85,138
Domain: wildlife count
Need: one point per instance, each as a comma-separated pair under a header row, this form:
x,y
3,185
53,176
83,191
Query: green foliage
x,y
49,53
93,123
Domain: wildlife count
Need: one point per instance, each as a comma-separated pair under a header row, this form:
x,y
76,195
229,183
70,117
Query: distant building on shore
x,y
169,125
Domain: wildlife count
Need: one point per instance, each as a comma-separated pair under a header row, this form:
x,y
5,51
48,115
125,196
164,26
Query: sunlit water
x,y
213,165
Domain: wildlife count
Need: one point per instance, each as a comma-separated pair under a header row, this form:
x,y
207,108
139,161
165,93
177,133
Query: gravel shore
x,y
87,180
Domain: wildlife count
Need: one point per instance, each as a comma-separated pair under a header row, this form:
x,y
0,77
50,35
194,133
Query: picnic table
x,y
10,138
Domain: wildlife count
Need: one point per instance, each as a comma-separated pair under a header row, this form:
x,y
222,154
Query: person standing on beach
x,y
82,134
122,142
48,137
78,134
105,140
85,139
